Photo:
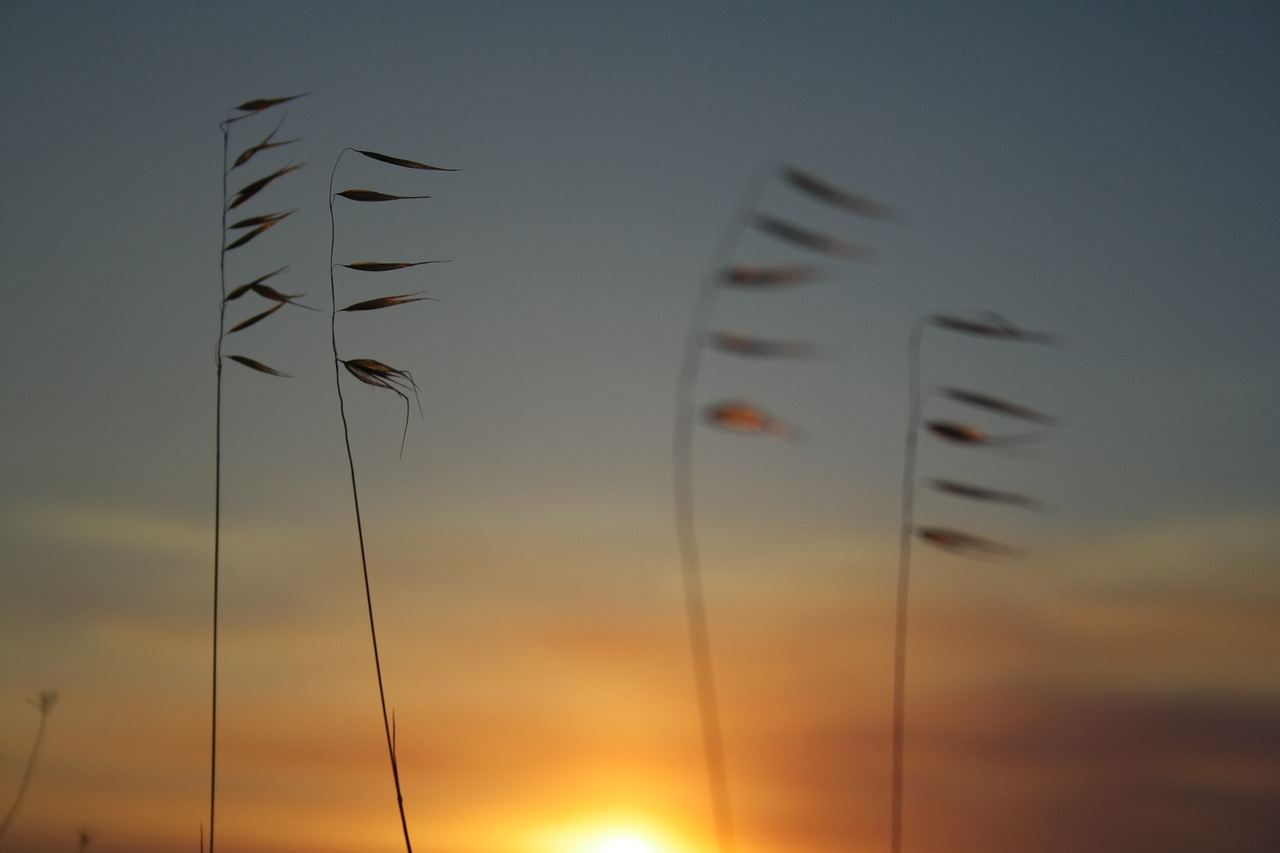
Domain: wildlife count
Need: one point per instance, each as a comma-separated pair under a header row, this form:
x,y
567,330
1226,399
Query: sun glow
x,y
626,844
626,835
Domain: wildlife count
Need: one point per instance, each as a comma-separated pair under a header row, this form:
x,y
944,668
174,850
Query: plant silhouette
x,y
44,704
740,415
961,542
372,372
245,231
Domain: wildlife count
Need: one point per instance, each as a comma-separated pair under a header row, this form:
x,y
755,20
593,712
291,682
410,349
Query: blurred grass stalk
x,y
991,327
740,416
44,704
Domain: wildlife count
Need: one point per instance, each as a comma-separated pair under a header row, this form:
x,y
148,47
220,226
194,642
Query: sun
x,y
625,844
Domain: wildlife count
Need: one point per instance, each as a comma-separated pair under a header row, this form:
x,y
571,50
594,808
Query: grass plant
x,y
44,704
235,235
956,541
380,375
740,415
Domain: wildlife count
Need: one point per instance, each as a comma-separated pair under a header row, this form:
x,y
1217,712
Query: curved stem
x,y
905,538
686,531
355,497
45,703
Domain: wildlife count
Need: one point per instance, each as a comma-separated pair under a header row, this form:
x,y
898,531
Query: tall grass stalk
x,y
738,416
686,527
379,375
962,542
44,704
252,228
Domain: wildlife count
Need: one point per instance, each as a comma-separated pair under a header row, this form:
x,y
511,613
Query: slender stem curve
x,y
905,538
355,497
686,529
44,704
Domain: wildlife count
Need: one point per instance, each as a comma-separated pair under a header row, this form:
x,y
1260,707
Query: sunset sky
x,y
1103,172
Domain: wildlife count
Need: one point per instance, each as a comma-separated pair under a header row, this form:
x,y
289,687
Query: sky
x,y
1103,172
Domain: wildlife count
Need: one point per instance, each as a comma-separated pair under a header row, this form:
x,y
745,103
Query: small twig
x,y
44,704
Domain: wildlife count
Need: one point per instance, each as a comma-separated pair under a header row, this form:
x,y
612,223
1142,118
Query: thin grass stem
x,y
217,489
686,528
355,497
994,328
265,222
905,539
44,704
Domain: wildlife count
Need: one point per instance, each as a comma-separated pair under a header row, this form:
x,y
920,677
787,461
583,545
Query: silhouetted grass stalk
x,y
379,375
954,540
258,226
686,528
43,704
739,416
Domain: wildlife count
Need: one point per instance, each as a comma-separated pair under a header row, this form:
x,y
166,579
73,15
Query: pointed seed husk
x,y
399,161
256,318
250,190
833,195
752,275
259,104
242,289
996,404
257,365
981,493
264,219
811,239
387,302
378,266
373,195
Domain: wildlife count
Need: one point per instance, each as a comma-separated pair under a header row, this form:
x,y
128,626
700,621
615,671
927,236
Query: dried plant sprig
x,y
734,415
380,375
44,704
241,290
266,291
258,225
372,372
266,143
992,326
264,224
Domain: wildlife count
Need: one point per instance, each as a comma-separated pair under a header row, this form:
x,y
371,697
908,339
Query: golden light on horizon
x,y
626,844
608,836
